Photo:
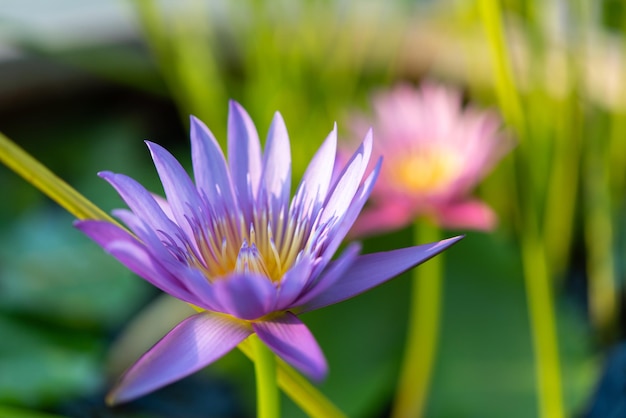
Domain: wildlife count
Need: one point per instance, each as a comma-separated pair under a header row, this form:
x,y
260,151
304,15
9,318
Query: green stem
x,y
268,399
543,324
423,330
300,390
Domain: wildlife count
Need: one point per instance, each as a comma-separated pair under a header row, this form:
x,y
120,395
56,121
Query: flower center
x,y
251,260
266,247
424,171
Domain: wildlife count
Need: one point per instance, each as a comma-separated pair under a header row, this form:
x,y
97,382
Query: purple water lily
x,y
239,249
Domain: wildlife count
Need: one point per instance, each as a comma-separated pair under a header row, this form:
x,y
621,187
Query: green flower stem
x,y
305,395
268,397
299,389
543,324
423,330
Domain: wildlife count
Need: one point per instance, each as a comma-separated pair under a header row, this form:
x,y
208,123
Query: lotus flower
x,y
435,152
239,249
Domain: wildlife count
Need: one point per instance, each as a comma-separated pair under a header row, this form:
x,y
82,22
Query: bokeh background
x,y
82,83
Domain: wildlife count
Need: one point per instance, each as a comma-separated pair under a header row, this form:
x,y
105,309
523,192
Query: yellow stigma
x,y
423,171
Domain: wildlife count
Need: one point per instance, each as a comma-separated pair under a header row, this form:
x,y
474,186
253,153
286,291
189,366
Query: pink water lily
x,y
236,246
436,150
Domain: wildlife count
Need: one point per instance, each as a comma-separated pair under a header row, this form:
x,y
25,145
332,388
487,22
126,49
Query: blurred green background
x,y
82,83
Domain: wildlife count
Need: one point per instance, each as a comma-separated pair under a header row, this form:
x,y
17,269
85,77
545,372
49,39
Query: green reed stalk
x,y
421,345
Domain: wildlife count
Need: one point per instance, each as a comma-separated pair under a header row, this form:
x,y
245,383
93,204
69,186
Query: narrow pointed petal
x,y
335,271
165,206
209,165
316,180
348,182
179,189
130,252
193,344
244,295
342,227
294,282
371,270
244,155
276,179
292,341
140,201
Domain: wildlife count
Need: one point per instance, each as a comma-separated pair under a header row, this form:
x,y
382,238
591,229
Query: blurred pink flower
x,y
435,152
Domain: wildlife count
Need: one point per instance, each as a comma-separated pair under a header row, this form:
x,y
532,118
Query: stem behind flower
x,y
268,399
423,330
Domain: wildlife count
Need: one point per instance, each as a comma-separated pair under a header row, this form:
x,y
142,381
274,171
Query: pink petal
x,y
371,270
382,217
470,214
193,344
291,340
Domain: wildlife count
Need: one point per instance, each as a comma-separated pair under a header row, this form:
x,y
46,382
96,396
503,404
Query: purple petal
x,y
276,177
209,165
342,227
244,295
193,344
134,255
349,181
164,205
316,180
291,340
244,156
141,202
371,270
335,271
180,191
294,282
183,276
